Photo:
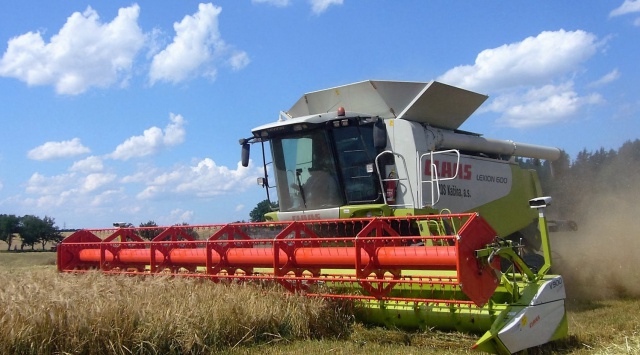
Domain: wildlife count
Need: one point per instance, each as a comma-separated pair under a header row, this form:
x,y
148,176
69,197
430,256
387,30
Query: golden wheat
x,y
47,312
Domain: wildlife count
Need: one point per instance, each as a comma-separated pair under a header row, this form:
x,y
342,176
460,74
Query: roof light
x,y
341,111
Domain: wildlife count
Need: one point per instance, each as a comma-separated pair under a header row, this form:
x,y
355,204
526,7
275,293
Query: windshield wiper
x,y
304,200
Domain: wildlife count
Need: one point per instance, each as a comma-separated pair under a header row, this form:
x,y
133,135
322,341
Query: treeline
x,y
580,184
32,230
150,230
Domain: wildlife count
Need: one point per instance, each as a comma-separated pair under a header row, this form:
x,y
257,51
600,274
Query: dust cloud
x,y
602,259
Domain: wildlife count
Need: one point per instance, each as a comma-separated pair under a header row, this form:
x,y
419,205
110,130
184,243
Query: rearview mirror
x,y
246,149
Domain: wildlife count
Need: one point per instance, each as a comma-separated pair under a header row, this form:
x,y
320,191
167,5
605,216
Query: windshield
x,y
356,155
306,172
309,176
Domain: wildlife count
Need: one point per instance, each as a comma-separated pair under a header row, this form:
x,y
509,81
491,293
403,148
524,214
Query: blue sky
x,y
132,111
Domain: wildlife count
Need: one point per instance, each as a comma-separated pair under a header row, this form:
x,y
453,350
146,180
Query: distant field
x,y
26,259
16,245
48,312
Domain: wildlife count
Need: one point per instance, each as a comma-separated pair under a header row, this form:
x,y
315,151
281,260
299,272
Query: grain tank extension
x,y
382,200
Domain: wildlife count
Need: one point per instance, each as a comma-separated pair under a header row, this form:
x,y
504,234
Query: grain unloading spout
x,y
445,139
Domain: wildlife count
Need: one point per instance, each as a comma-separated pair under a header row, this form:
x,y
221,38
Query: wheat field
x,y
45,312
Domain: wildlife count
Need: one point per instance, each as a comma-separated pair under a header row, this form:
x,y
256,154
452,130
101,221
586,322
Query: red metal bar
x,y
415,258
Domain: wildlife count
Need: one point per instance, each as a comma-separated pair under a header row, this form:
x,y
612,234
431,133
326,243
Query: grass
x,y
607,326
26,259
45,312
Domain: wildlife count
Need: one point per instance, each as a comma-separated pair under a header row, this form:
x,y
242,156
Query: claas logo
x,y
448,169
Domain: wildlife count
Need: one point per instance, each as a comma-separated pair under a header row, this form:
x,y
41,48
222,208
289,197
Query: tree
x,y
36,230
9,225
592,175
188,230
257,214
561,166
149,232
52,232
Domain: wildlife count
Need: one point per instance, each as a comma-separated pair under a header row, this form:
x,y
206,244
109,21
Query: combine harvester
x,y
383,201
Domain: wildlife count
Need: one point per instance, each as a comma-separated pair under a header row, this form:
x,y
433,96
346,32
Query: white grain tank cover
x,y
433,103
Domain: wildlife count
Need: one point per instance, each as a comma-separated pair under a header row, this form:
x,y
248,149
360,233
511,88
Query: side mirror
x,y
380,135
246,149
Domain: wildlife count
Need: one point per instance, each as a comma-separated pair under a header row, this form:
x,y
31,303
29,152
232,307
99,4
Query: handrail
x,y
397,179
435,179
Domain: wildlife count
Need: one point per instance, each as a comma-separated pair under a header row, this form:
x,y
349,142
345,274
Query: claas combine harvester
x,y
382,200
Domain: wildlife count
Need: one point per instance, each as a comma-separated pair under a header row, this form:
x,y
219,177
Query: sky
x,y
118,111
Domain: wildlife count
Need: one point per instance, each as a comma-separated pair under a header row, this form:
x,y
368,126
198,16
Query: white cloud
x,y
317,6
204,179
64,185
320,6
152,140
39,184
73,194
627,7
145,173
195,49
606,79
534,61
94,181
108,198
55,150
239,60
278,3
85,53
86,194
532,78
88,165
540,106
47,201
239,208
174,132
178,216
148,193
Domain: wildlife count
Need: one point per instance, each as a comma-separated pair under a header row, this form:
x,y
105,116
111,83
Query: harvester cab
x,y
382,201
